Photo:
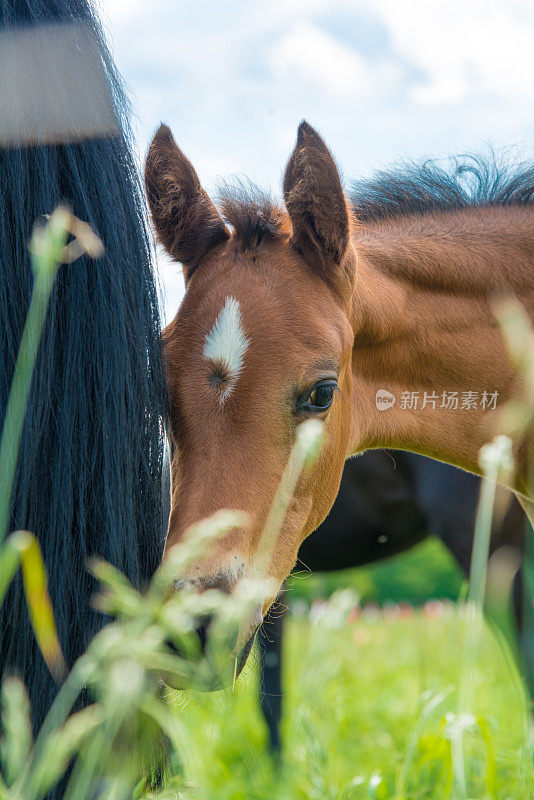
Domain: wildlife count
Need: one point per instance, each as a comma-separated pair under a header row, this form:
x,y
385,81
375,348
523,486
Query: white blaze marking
x,y
226,344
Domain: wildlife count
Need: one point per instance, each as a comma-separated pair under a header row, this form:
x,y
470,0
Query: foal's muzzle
x,y
236,661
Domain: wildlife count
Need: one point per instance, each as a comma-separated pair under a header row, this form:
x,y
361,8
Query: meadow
x,y
371,711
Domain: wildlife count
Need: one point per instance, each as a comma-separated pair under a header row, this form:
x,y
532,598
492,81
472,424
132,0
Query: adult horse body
x,y
318,312
88,481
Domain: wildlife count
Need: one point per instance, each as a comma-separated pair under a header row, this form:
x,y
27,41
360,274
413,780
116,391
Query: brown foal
x,y
377,320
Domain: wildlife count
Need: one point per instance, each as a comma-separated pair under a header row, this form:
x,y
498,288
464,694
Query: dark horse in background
x,y
89,474
387,503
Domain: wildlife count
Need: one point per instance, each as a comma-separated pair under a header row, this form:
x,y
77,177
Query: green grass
x,y
363,719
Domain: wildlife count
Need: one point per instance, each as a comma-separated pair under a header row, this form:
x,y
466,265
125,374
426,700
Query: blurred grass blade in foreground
x,y
17,735
22,548
518,421
309,441
49,248
38,600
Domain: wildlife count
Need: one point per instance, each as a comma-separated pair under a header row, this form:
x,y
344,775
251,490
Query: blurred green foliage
x,y
426,571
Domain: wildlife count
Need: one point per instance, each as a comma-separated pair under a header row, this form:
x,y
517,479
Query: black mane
x,y
88,481
459,182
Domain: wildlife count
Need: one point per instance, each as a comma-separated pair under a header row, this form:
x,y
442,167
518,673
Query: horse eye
x,y
319,398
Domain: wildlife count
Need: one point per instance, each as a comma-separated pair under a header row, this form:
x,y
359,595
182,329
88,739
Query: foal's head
x,y
261,342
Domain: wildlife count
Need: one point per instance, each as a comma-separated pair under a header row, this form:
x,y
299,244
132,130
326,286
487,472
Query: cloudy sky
x,y
381,81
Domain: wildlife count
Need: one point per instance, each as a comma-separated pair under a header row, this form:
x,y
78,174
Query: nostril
x,y
202,632
172,647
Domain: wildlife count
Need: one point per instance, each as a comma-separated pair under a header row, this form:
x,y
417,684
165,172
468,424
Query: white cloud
x,y
329,65
119,11
464,48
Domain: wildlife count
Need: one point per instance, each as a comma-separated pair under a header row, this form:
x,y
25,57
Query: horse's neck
x,y
424,323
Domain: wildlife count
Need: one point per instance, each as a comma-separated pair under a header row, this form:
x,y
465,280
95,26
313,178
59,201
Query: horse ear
x,y
187,223
316,203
